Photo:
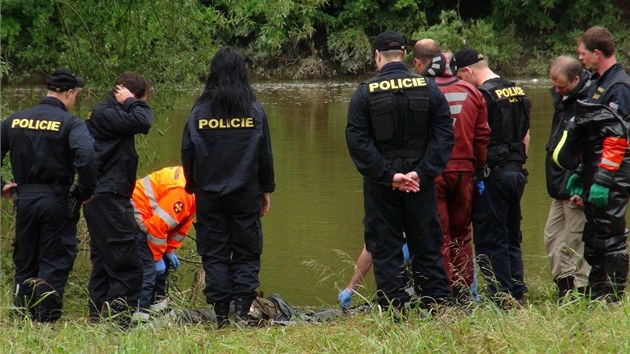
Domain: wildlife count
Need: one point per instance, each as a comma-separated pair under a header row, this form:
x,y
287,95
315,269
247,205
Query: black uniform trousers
x,y
116,277
45,248
387,214
605,244
497,231
153,285
229,241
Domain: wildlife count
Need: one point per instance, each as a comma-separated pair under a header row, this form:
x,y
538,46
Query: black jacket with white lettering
x,y
114,127
226,158
436,132
48,145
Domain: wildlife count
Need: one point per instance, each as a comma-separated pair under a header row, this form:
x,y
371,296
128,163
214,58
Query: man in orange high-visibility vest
x,y
164,212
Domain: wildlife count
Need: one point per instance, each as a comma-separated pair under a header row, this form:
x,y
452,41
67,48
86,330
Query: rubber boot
x,y
617,270
597,281
565,286
222,311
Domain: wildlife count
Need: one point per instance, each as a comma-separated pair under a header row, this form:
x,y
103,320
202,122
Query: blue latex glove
x,y
405,249
160,267
480,187
345,297
575,185
598,196
171,257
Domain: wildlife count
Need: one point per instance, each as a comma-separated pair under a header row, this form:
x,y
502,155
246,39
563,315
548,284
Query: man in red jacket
x,y
456,185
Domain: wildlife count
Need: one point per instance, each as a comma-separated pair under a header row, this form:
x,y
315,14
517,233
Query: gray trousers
x,y
563,242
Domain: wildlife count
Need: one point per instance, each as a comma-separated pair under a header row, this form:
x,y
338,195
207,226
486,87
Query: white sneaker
x,y
160,305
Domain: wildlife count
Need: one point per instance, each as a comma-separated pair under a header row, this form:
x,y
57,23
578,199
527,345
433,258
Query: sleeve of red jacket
x,y
482,133
174,208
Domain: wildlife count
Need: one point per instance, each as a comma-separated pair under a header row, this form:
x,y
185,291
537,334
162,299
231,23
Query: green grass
x,y
542,326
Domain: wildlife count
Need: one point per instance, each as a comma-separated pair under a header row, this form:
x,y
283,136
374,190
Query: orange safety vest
x,y
163,209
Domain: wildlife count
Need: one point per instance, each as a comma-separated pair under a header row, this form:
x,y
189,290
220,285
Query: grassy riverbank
x,y
541,326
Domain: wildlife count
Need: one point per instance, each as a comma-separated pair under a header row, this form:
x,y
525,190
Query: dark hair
x,y
600,38
227,87
134,83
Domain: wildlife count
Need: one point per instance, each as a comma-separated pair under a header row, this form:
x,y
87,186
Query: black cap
x,y
63,80
467,56
389,40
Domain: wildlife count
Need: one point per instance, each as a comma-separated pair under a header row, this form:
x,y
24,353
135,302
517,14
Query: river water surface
x,y
313,230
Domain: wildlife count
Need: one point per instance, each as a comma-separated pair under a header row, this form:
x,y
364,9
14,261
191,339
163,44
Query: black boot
x,y
565,286
222,311
241,308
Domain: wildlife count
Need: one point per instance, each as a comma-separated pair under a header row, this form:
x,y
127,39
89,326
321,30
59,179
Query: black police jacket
x,y
114,127
564,111
415,132
612,89
227,155
48,145
508,118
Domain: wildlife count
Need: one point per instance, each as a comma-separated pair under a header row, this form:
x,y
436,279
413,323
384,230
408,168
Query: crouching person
x,y
164,212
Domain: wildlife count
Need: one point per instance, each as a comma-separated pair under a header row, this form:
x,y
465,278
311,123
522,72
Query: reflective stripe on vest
x,y
156,240
177,237
148,191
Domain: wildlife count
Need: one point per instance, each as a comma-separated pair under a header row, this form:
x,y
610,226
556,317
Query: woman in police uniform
x,y
227,160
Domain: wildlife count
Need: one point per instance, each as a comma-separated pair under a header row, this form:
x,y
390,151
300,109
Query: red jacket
x,y
470,123
163,209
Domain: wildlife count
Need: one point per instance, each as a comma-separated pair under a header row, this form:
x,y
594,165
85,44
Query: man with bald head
x,y
565,223
455,187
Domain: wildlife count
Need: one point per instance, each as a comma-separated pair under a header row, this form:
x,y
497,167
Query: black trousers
x,y
387,214
605,244
229,241
116,277
497,231
45,247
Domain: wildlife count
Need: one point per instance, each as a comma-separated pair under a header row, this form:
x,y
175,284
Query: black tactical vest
x,y
399,113
510,123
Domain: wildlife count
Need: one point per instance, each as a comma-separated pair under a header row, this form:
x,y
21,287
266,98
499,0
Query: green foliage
x,y
351,49
172,41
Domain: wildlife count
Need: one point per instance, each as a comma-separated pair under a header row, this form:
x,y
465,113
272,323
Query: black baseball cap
x,y
389,40
467,56
63,80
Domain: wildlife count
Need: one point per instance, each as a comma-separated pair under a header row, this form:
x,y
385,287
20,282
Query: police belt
x,y
43,188
511,166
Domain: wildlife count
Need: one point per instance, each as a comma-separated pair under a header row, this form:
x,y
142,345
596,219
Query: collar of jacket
x,y
53,101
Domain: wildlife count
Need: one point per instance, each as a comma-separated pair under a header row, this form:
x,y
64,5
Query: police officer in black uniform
x,y
116,278
497,217
400,136
47,147
227,160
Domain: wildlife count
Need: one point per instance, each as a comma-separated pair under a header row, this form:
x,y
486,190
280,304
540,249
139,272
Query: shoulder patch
x,y
178,207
